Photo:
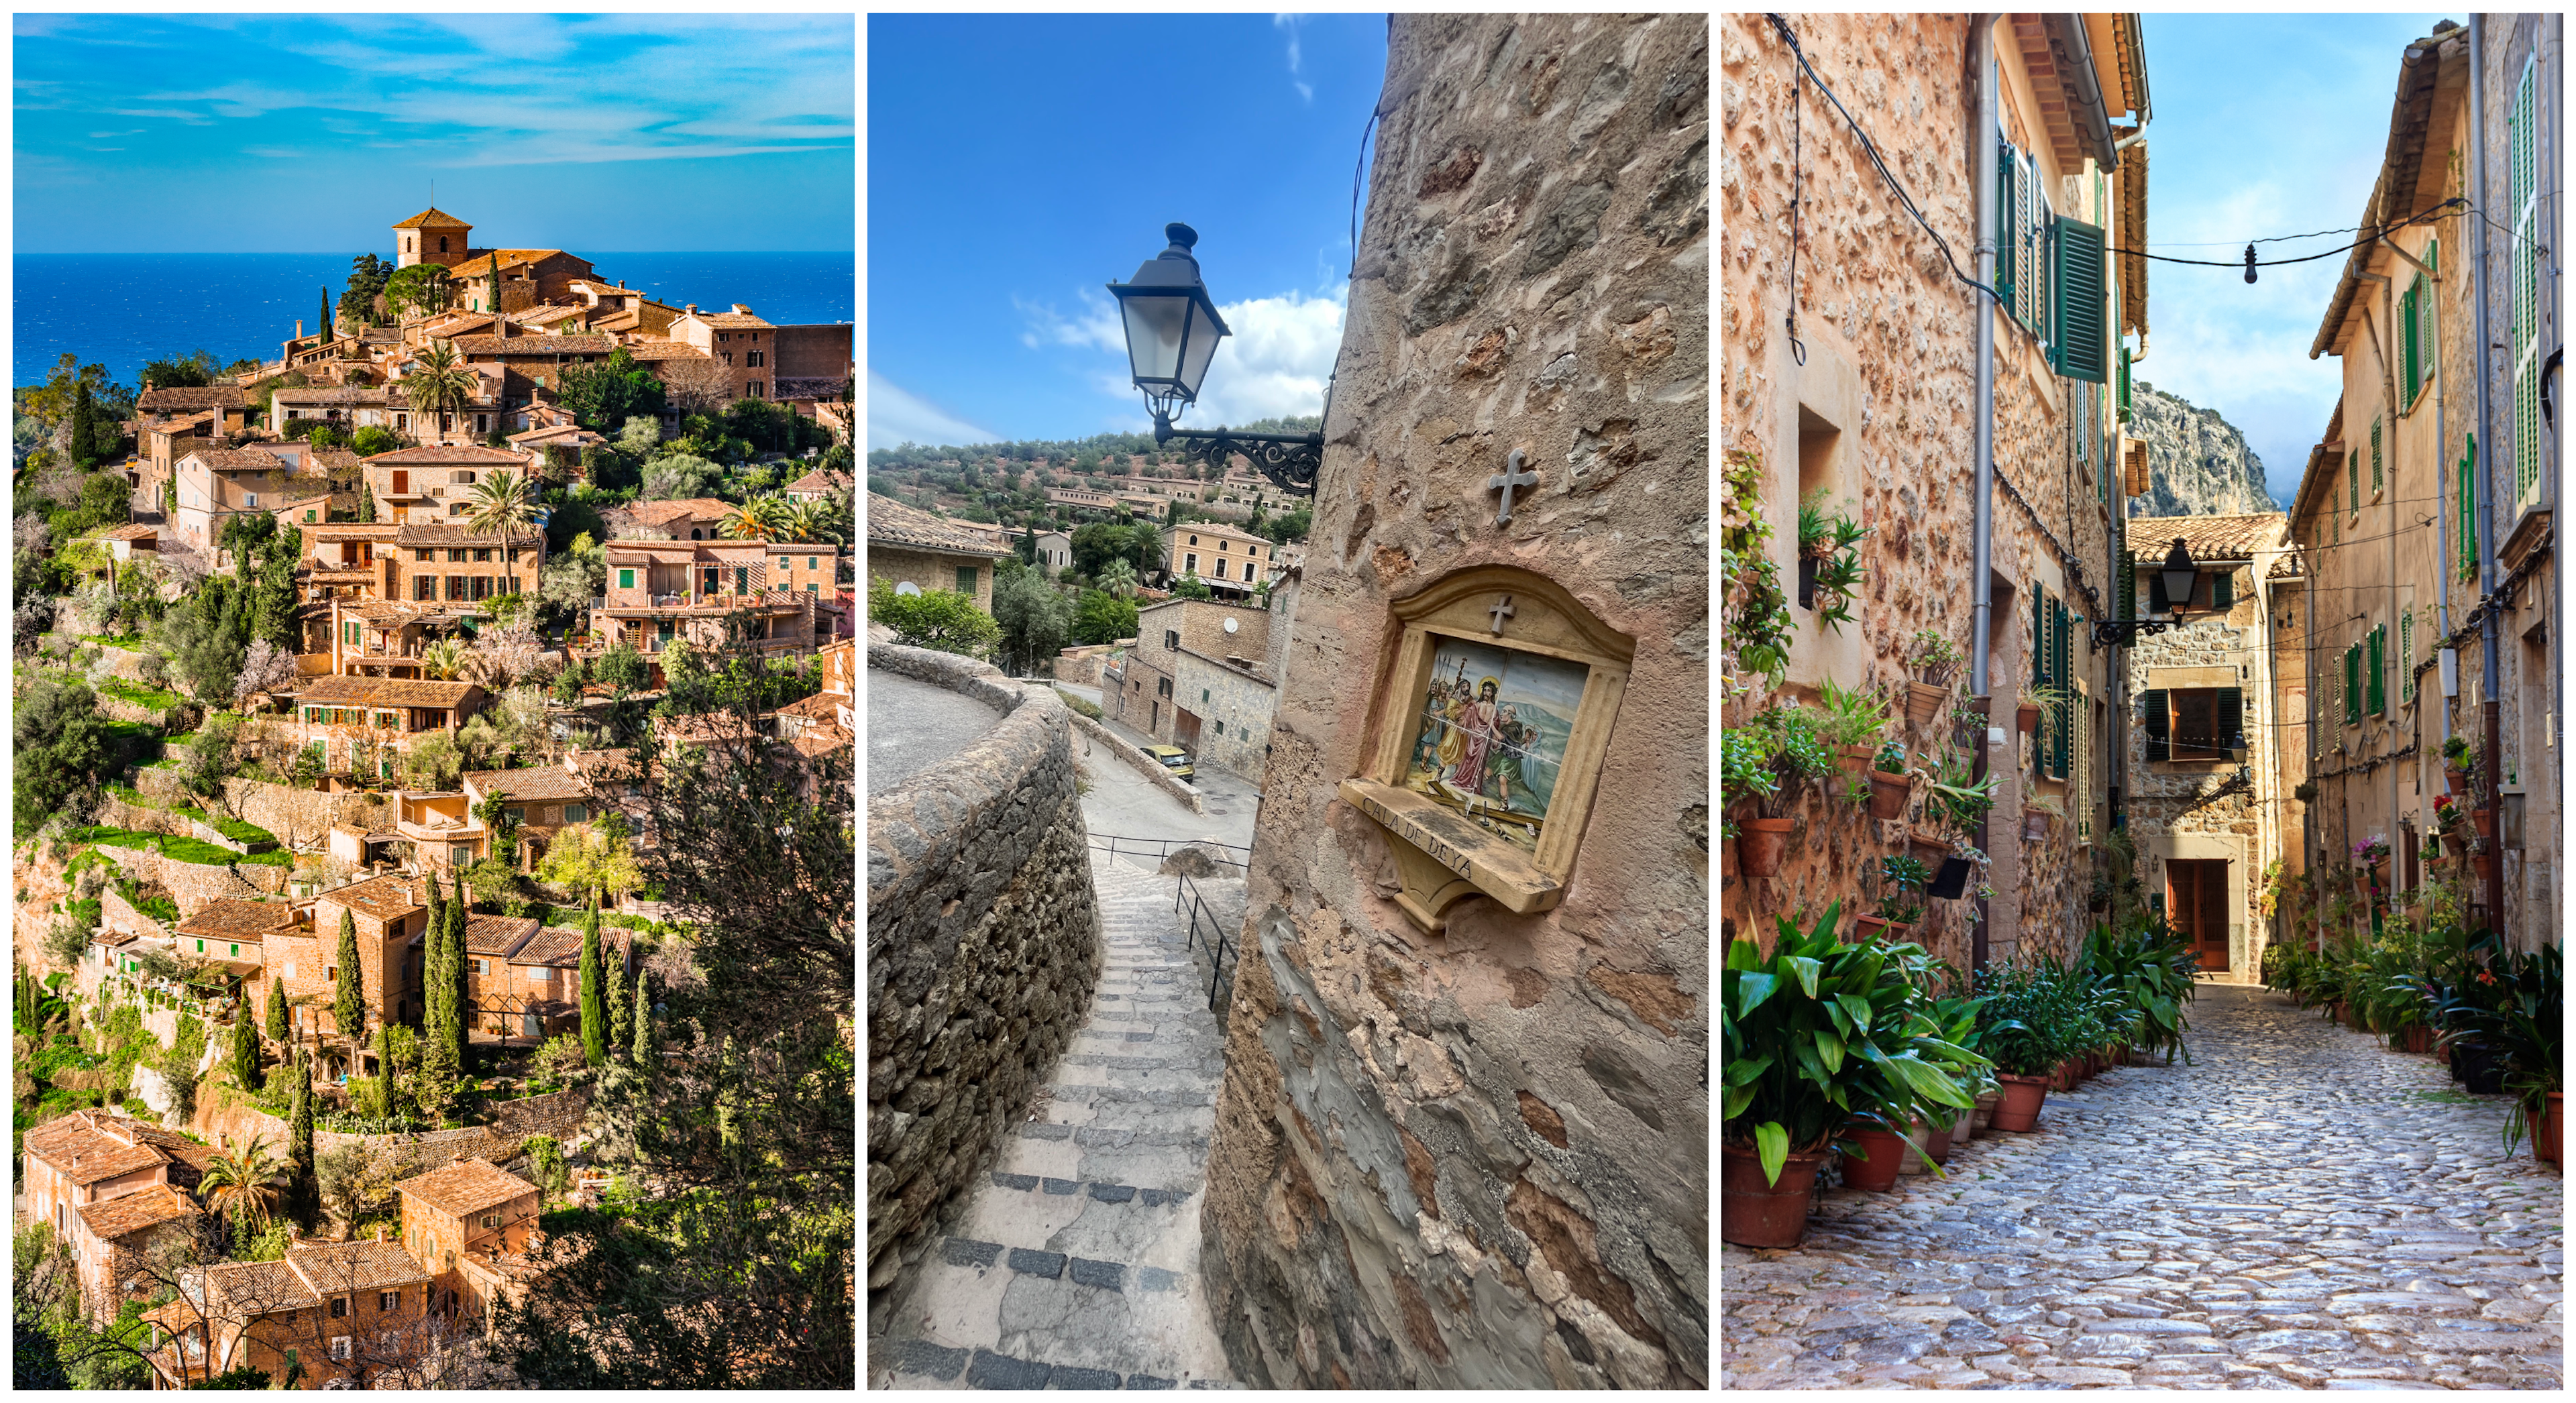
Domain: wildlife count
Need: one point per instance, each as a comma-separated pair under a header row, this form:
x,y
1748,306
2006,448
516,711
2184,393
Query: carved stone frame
x,y
1441,857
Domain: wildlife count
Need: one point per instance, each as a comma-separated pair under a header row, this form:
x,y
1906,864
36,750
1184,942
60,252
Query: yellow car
x,y
1174,759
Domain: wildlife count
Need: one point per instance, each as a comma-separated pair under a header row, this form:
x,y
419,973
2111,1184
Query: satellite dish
x,y
907,587
1231,625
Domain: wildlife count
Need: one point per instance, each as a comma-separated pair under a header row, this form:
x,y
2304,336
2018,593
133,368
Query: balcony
x,y
440,829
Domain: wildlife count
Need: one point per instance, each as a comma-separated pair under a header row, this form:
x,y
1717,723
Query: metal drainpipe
x,y
2477,464
1982,532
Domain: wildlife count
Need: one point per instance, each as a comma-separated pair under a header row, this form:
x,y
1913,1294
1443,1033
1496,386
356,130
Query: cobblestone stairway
x,y
1075,1264
2300,1209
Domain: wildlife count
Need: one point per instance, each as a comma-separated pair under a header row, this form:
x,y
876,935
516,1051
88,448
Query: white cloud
x,y
1276,362
896,415
1296,53
1096,325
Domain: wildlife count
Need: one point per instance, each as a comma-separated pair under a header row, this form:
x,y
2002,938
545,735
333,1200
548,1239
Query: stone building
x,y
1227,559
107,1184
1462,1137
339,1307
392,918
2204,799
913,547
1225,638
458,1214
2428,543
1854,385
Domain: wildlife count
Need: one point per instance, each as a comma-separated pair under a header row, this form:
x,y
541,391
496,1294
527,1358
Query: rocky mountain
x,y
2198,463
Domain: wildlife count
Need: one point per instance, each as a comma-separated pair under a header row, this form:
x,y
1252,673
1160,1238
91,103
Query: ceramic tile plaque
x,y
1489,738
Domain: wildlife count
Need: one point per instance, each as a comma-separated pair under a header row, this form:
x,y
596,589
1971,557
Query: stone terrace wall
x,y
193,884
1479,1158
983,948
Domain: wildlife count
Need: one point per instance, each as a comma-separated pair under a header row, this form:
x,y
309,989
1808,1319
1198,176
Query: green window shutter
x,y
2007,214
2061,670
2227,716
2159,724
2468,512
2406,657
2377,639
2406,346
2156,601
2352,685
2222,590
2375,479
2128,587
2352,480
2038,632
2124,385
2080,348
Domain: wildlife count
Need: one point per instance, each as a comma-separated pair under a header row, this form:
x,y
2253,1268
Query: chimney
x,y
741,310
299,328
691,309
380,1232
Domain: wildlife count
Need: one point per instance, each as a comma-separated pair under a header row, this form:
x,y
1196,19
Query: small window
x,y
625,579
236,952
339,1311
518,813
478,966
387,1302
491,1220
201,947
1203,694
339,1343
1171,640
576,813
537,974
966,579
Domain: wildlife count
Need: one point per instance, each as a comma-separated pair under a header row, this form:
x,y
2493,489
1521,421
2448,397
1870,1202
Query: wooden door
x,y
2196,906
1185,730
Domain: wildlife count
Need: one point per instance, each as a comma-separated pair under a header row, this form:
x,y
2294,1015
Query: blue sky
x,y
1018,163
305,133
2264,125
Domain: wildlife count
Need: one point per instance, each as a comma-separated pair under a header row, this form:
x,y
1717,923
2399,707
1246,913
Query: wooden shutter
x,y
2375,476
2128,586
2222,589
2523,147
2153,705
2406,657
2468,510
2352,685
2080,346
2082,793
2407,370
2378,640
2038,632
2227,716
2007,214
2061,671
2125,401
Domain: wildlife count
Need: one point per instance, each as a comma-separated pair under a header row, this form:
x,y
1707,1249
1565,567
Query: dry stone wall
x,y
1478,1158
192,884
984,946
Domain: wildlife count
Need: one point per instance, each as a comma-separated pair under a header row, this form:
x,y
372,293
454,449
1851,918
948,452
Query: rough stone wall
x,y
2168,801
983,947
2198,464
116,913
1479,1158
193,884
931,571
1887,334
1097,735
1222,695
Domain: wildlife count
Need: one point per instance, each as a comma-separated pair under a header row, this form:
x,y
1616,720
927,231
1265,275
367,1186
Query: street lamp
x,y
1172,333
2181,578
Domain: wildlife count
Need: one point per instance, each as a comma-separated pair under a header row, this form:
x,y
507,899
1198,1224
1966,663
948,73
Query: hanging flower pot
x,y
1952,883
2021,1098
2034,825
1870,928
1753,1211
1888,793
1855,759
1759,845
1885,1150
2483,864
2485,820
1923,702
2027,716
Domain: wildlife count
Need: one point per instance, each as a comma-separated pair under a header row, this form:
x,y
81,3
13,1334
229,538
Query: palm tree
x,y
805,521
443,659
236,1185
504,502
1118,577
439,382
762,518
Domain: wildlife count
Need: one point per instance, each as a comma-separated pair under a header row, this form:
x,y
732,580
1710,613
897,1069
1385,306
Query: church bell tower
x,y
431,236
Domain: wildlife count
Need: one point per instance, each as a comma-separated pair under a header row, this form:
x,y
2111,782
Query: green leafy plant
x,y
1960,800
1856,716
1934,657
1744,771
1830,540
1758,620
1795,738
1898,877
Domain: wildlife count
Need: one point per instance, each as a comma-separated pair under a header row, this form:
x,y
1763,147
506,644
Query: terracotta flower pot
x,y
1888,794
2485,821
1754,1212
1984,1114
2027,715
2017,1108
2548,1127
2418,1039
1759,844
1855,759
2483,864
2457,780
2034,825
1886,1151
1923,701
1938,1144
1870,928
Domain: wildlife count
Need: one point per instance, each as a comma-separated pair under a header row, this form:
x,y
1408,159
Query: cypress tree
x,y
460,1019
278,1027
349,1009
384,1069
594,1014
245,1049
437,938
643,1002
323,326
299,1136
620,1032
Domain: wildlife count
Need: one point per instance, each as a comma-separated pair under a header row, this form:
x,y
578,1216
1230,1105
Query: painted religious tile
x,y
1492,735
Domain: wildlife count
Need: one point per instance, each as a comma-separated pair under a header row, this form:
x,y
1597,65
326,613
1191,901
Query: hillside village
x,y
433,777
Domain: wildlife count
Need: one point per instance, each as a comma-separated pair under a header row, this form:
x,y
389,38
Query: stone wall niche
x,y
1490,727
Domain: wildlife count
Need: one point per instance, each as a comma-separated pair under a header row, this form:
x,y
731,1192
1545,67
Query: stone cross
x,y
1510,477
1502,610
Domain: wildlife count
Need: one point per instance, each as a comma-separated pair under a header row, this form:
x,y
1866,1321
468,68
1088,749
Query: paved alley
x,y
1075,1264
2300,1209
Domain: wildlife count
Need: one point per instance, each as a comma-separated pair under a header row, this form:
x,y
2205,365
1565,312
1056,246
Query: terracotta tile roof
x,y
259,1288
433,218
895,524
480,347
238,459
238,920
534,782
820,481
822,706
136,531
462,535
497,935
335,394
85,1154
380,691
511,258
574,432
732,321
189,1159
190,397
333,1268
546,316
467,1187
183,424
2207,537
136,1212
656,513
666,350
337,458
825,740
560,947
472,455
382,897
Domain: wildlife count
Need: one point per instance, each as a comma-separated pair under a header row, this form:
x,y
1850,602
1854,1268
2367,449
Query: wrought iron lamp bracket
x,y
1290,460
2121,633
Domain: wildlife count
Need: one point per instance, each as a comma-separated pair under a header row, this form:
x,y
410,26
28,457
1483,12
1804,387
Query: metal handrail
x,y
1163,848
1188,896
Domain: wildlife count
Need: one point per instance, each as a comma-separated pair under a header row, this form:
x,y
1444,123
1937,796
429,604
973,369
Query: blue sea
x,y
125,310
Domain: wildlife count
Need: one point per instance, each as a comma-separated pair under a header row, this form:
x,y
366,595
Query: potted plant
x,y
1897,877
2523,1032
1935,660
1880,1155
1829,571
2305,791
2449,825
1818,1033
2021,1023
2459,761
2037,814
1745,778
1889,784
1851,723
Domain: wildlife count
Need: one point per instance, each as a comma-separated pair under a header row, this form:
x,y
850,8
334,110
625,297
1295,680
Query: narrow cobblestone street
x,y
2300,1208
1076,1262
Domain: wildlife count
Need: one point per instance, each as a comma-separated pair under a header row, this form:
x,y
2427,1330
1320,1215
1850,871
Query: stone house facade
x,y
1462,1137
341,1307
78,1166
1150,697
1867,402
1225,558
1223,712
2406,528
741,341
115,1240
392,917
2206,805
466,1208
432,486
910,546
